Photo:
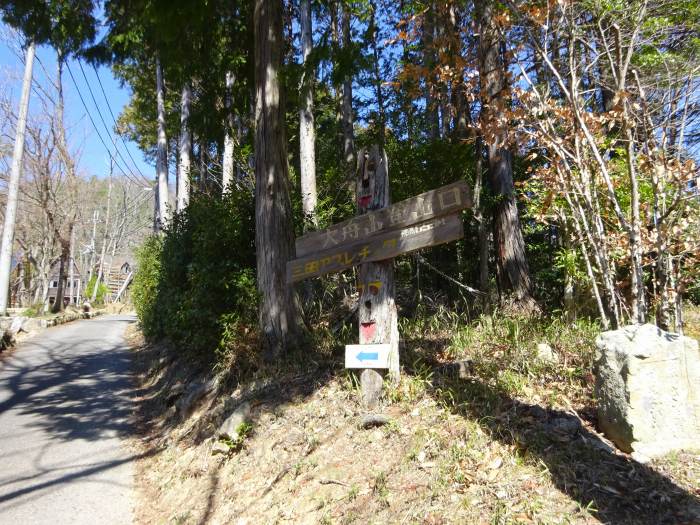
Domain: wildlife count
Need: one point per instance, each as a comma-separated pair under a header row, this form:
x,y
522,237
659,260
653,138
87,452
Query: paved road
x,y
64,409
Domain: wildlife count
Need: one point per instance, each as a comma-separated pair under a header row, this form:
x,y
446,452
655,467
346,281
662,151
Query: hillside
x,y
502,436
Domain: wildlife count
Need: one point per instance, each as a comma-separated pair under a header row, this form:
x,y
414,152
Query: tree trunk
x,y
65,256
431,107
161,153
480,216
229,142
21,289
183,180
100,270
203,169
639,309
381,120
347,115
307,134
8,231
378,318
511,265
274,236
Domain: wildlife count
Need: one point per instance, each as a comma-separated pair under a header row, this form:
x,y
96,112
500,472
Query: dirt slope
x,y
455,450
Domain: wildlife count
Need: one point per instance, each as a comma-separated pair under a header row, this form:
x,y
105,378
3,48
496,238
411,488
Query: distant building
x,y
68,298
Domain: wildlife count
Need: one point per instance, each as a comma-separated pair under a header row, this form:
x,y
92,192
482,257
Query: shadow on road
x,y
61,387
75,396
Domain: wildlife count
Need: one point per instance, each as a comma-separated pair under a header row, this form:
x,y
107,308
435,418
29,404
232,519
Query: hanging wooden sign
x,y
377,248
435,203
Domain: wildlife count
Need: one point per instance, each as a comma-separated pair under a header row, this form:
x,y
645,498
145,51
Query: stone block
x,y
648,390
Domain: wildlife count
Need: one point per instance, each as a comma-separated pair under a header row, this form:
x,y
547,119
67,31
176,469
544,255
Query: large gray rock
x,y
648,390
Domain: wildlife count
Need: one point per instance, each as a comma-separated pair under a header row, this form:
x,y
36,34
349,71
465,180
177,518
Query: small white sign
x,y
367,356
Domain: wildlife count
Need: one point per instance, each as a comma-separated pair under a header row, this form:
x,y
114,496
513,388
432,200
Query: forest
x,y
568,135
575,125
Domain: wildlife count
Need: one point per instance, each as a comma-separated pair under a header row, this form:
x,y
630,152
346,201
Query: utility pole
x,y
8,231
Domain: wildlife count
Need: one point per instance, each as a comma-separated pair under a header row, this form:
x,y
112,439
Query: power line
x,y
109,133
109,152
114,119
36,85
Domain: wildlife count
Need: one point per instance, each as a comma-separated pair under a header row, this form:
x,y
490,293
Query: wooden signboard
x,y
435,203
377,248
379,232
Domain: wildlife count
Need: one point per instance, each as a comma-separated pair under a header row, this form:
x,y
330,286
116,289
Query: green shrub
x,y
34,310
102,290
195,284
144,289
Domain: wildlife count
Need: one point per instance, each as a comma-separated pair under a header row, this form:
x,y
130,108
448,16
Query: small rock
x,y
566,425
219,448
496,463
459,369
546,354
229,428
373,420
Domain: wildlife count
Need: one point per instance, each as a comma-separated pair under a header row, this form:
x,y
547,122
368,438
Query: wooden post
x,y
378,320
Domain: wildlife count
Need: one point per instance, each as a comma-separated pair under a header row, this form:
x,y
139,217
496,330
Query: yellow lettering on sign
x,y
390,243
311,267
364,252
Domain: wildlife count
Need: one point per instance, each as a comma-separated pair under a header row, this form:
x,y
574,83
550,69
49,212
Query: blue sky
x,y
83,137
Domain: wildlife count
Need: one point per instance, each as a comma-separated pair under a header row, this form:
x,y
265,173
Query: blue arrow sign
x,y
368,356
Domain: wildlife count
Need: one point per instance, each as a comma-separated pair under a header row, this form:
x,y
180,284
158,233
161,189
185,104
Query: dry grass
x,y
512,440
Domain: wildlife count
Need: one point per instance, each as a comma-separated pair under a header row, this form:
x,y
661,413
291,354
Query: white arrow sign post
x,y
367,356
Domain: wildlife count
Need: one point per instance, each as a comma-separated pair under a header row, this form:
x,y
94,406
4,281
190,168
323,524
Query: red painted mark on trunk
x,y
367,332
364,200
